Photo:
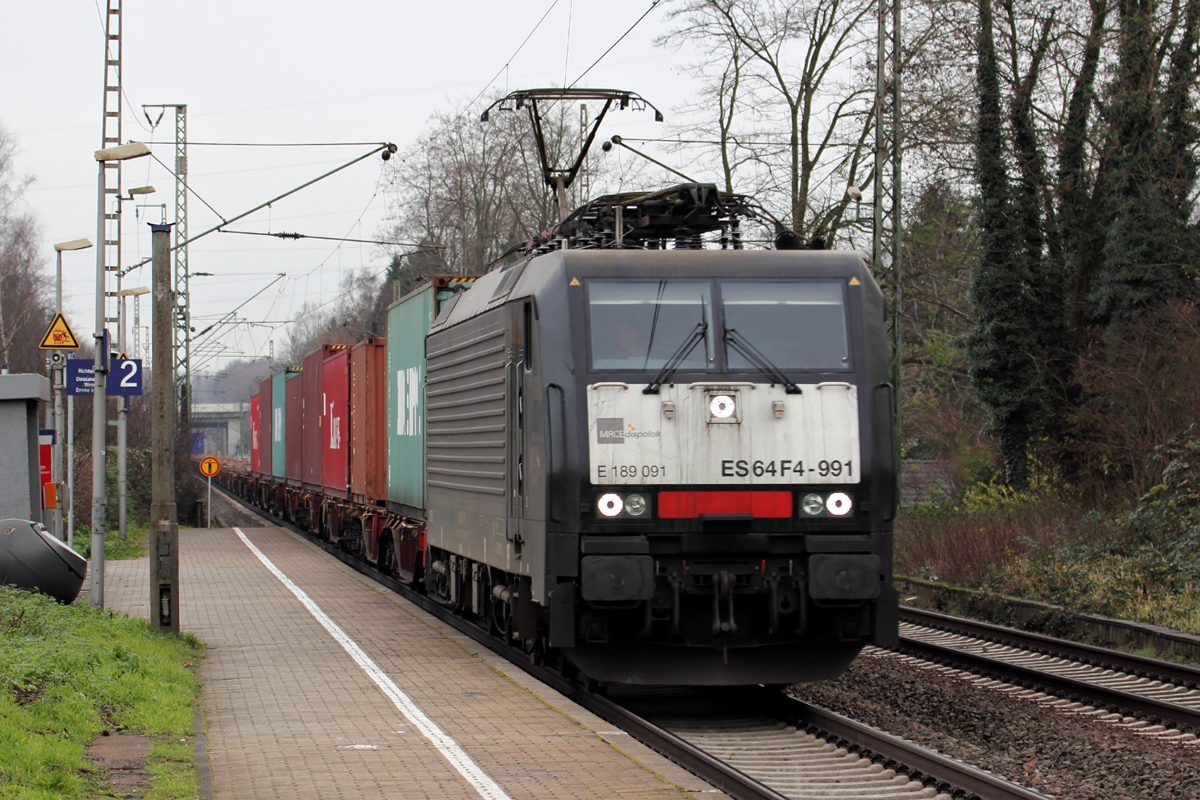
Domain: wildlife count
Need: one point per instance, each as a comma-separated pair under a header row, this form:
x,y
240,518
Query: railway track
x,y
1158,696
752,743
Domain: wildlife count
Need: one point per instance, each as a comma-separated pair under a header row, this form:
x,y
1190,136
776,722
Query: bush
x,y
115,548
1142,565
1141,380
963,539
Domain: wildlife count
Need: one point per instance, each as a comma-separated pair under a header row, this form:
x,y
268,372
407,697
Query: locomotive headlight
x,y
838,504
635,505
722,406
812,504
610,504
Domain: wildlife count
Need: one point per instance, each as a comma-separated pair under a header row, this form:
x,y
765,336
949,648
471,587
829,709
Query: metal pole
x,y
164,528
122,415
99,417
877,189
70,470
137,327
49,515
56,471
57,376
210,501
897,161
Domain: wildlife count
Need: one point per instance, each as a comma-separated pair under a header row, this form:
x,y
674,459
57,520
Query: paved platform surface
x,y
290,714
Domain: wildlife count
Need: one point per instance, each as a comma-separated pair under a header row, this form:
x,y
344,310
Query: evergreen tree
x,y
1142,264
1075,235
1000,347
1181,130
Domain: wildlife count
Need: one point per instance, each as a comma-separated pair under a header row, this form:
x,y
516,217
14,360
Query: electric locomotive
x,y
666,457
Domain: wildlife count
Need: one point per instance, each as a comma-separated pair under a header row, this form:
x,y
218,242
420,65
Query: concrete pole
x,y
122,416
99,409
164,528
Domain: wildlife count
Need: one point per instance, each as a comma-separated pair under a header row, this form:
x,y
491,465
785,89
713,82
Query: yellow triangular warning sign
x,y
59,335
855,282
574,282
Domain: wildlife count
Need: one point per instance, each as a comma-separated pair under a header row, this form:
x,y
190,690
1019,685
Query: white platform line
x,y
450,750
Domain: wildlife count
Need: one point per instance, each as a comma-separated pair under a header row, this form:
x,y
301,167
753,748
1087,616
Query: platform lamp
x,y
100,370
58,381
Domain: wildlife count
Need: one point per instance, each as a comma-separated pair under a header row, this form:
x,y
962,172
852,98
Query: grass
x,y
115,548
68,673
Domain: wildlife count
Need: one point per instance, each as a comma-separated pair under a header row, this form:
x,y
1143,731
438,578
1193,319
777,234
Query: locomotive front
x,y
733,484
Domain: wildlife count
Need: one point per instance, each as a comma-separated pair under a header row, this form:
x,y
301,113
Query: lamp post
x,y
58,381
100,370
123,401
123,412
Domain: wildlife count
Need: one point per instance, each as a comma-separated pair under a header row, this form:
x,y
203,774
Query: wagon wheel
x,y
387,554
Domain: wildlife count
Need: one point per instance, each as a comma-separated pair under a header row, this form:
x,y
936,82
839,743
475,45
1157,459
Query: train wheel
x,y
387,554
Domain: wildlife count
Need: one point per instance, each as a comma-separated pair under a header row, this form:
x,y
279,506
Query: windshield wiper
x,y
677,357
752,354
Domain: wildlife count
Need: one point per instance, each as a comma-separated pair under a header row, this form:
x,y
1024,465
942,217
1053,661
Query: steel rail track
x,y
1127,703
1184,675
960,779
950,775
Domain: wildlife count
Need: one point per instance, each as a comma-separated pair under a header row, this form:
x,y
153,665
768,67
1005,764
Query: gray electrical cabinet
x,y
20,481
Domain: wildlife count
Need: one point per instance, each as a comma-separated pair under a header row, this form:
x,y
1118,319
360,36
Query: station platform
x,y
335,687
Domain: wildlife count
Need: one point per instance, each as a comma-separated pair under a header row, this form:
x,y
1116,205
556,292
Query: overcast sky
x,y
273,72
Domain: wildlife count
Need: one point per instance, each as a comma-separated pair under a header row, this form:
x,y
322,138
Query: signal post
x,y
58,338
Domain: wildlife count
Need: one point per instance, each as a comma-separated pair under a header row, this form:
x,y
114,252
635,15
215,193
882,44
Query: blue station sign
x,y
80,378
124,377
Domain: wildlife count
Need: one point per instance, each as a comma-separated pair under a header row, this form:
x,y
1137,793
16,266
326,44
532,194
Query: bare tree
x,y
468,190
24,285
789,87
794,107
345,319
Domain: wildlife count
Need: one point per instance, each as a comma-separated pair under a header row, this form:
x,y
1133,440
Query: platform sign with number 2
x,y
124,377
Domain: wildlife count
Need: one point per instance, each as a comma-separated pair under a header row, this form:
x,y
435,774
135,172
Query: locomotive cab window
x,y
640,325
797,325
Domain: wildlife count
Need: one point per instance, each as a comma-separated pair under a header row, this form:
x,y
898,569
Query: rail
x,y
922,764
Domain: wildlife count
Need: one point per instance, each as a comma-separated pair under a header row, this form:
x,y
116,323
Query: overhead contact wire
x,y
614,44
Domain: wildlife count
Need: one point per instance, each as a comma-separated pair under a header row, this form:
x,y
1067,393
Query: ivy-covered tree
x,y
1002,344
1145,262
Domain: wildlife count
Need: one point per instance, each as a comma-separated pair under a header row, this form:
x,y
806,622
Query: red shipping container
x,y
311,406
335,437
264,427
312,456
254,434
294,424
368,421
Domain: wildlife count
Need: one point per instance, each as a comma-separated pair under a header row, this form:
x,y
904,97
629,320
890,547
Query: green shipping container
x,y
409,320
278,425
